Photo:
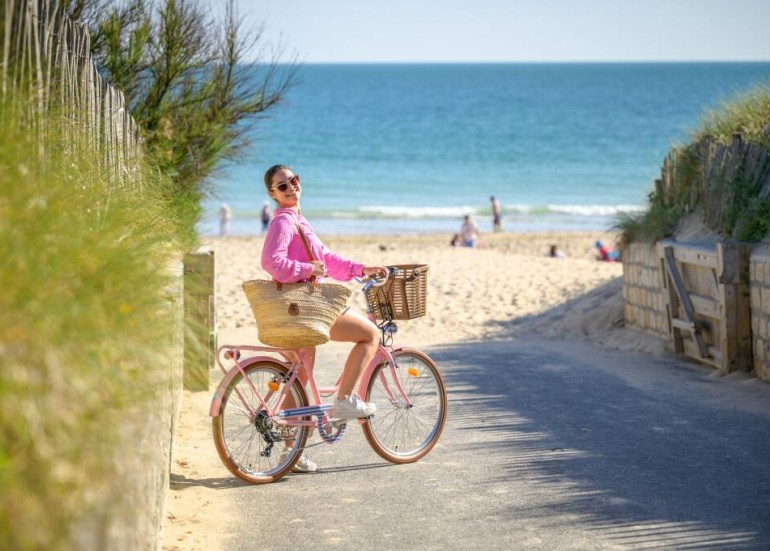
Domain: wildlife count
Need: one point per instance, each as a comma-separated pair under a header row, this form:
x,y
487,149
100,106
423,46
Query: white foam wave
x,y
594,210
417,213
522,209
395,211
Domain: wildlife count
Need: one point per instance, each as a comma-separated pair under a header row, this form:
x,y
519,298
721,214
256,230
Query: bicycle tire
x,y
242,438
403,434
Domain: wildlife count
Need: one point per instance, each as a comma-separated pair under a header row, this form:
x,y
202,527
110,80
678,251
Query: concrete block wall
x,y
200,313
759,289
143,454
645,307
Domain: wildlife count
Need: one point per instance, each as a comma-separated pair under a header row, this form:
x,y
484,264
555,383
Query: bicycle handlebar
x,y
371,281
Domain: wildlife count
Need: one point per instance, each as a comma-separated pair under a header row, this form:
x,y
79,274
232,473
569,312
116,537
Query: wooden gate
x,y
707,302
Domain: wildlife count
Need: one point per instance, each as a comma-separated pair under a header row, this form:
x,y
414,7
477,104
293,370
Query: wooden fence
x,y
46,60
46,65
706,296
706,289
702,172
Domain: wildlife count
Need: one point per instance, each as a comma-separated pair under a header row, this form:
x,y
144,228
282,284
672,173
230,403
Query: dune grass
x,y
730,201
86,330
747,112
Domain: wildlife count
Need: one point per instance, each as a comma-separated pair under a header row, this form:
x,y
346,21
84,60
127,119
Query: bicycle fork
x,y
397,396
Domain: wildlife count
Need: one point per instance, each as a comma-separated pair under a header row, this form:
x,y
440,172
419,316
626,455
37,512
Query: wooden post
x,y
671,301
659,188
200,318
689,323
735,319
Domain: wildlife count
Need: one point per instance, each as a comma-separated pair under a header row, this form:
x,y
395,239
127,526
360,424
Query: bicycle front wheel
x,y
401,431
249,443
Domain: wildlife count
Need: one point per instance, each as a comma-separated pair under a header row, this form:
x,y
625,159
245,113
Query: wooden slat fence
x,y
47,74
717,163
706,293
46,58
706,289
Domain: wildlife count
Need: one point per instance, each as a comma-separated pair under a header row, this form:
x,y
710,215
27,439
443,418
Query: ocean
x,y
411,148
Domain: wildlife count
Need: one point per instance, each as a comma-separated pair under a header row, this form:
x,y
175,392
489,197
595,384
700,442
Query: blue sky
x,y
515,30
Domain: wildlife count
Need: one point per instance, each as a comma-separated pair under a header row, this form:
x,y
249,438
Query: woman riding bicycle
x,y
285,258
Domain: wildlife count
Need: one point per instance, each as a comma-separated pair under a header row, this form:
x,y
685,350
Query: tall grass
x,y
85,335
729,195
747,113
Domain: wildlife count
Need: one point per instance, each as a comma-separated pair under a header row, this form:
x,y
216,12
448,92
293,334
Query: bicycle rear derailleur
x,y
264,426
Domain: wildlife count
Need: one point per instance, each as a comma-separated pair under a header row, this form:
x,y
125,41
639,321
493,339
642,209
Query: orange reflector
x,y
274,385
413,371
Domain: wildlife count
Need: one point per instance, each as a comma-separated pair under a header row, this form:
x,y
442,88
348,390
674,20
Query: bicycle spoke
x,y
249,443
406,430
239,408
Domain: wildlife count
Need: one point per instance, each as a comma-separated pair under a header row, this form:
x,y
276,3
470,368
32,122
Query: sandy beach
x,y
507,289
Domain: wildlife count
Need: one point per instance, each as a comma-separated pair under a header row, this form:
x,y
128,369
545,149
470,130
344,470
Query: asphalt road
x,y
546,446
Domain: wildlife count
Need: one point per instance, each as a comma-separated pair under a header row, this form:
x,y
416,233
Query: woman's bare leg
x,y
307,357
354,327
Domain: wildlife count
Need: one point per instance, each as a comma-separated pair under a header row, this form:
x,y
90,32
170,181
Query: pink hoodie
x,y
284,256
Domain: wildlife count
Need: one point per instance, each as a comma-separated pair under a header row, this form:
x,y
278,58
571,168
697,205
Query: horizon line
x,y
522,62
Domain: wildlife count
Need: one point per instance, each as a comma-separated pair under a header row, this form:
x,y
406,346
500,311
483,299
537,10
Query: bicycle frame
x,y
295,360
269,396
298,360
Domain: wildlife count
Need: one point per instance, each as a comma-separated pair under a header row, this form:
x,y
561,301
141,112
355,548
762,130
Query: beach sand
x,y
506,289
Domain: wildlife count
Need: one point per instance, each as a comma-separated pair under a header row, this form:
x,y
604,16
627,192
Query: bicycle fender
x,y
216,401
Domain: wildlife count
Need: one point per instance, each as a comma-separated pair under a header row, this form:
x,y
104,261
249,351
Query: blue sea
x,y
411,148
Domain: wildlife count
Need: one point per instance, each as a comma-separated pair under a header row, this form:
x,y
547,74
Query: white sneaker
x,y
304,465
352,407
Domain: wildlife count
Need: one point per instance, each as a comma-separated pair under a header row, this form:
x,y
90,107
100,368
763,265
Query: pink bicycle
x,y
259,440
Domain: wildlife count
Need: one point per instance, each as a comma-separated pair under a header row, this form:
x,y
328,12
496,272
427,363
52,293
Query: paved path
x,y
547,446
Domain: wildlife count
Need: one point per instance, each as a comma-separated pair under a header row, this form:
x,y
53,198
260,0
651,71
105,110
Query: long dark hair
x,y
271,172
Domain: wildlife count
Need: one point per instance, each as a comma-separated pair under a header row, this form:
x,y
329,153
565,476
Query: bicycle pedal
x,y
337,423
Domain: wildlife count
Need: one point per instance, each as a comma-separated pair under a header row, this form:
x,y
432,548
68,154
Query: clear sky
x,y
515,30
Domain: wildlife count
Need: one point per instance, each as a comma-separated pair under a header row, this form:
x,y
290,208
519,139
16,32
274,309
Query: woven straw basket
x,y
295,315
404,296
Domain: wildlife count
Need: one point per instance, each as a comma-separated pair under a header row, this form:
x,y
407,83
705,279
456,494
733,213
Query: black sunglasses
x,y
283,186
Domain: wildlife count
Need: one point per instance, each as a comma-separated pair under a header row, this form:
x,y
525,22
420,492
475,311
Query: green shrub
x,y
658,222
86,331
725,189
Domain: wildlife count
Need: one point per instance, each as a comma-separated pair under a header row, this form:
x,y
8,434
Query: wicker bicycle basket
x,y
404,296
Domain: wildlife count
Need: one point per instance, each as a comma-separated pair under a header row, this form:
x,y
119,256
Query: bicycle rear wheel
x,y
399,432
249,443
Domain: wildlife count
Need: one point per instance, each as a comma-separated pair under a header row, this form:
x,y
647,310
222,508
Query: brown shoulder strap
x,y
304,242
309,252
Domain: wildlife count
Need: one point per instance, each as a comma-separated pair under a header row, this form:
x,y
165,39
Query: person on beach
x,y
497,218
225,215
469,232
285,258
555,252
605,254
266,215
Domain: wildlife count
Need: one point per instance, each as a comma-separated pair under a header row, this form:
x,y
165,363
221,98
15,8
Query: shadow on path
x,y
653,453
180,482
